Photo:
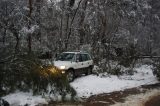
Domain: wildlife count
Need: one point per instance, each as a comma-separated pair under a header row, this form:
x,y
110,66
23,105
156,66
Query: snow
x,y
31,30
93,85
86,86
50,1
21,99
146,6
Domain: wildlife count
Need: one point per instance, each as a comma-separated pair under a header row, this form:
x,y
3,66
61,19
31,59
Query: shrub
x,y
116,71
129,57
26,72
156,69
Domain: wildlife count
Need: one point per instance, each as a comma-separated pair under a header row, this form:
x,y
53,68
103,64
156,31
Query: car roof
x,y
76,52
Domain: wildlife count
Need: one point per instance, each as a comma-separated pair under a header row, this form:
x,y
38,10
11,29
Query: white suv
x,y
74,64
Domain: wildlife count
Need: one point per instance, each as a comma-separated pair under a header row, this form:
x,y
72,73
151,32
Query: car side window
x,y
84,57
89,58
79,57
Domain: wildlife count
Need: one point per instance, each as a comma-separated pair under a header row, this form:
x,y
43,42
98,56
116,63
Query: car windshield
x,y
65,57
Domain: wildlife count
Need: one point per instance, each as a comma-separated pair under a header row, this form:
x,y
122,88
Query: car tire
x,y
70,75
89,71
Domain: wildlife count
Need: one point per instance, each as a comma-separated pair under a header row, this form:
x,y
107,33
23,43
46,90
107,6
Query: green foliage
x,y
26,72
6,74
63,87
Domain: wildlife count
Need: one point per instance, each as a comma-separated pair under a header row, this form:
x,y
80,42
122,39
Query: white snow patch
x,y
30,30
92,85
50,1
21,98
146,6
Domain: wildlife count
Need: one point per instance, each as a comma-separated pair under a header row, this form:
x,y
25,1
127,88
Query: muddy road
x,y
154,101
119,96
147,95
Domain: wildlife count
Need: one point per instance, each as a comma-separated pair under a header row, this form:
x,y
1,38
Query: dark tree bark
x,y
4,35
38,17
5,29
81,22
69,32
71,3
29,27
17,43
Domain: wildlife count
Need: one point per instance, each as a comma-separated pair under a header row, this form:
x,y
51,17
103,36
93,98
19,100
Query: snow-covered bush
x,y
156,69
116,71
129,57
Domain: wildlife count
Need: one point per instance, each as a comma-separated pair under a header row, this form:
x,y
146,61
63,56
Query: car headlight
x,y
62,67
63,72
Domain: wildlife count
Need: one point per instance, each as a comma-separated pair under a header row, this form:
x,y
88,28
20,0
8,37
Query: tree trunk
x,y
67,27
29,27
61,34
38,17
69,32
4,36
81,22
17,43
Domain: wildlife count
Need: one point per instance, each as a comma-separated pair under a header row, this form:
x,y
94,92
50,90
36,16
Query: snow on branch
x,y
30,30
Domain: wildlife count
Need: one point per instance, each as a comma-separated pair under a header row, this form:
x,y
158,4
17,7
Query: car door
x,y
79,62
84,59
89,60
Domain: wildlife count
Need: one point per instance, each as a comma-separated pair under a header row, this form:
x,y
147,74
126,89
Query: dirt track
x,y
148,95
120,97
154,101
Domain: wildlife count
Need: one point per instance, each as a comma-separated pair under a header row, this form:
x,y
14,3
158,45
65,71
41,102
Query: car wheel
x,y
70,75
89,71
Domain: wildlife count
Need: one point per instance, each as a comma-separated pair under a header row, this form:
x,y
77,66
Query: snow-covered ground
x,y
21,99
92,85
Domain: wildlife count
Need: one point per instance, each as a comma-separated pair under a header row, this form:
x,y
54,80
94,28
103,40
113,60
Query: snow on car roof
x,y
77,52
